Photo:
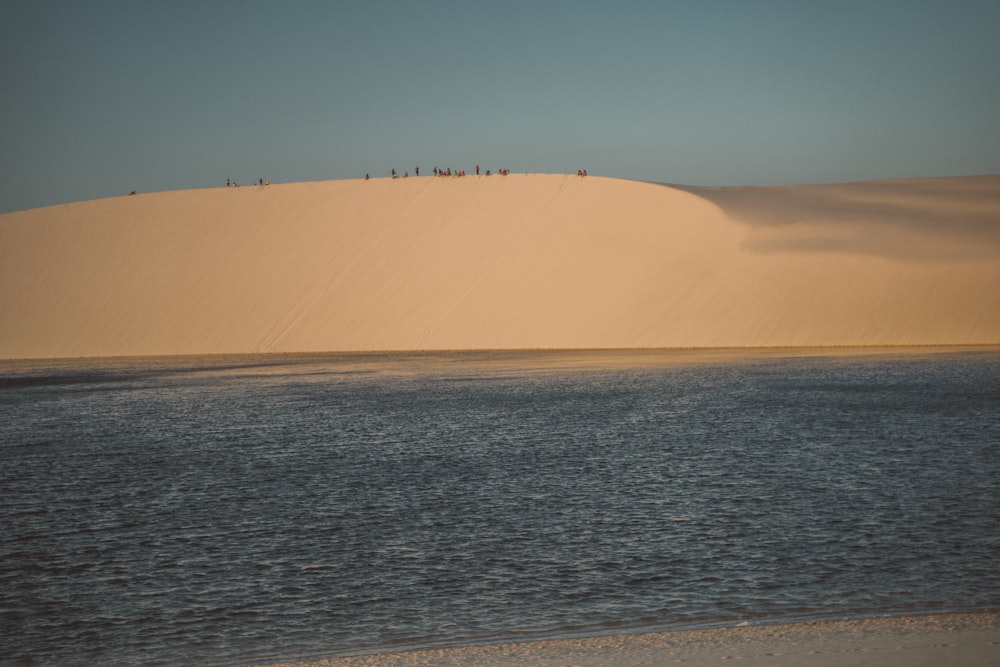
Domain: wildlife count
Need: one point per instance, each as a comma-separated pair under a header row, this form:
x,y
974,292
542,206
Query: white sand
x,y
969,640
522,261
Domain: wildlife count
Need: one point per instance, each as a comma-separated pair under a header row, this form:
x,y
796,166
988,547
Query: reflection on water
x,y
214,510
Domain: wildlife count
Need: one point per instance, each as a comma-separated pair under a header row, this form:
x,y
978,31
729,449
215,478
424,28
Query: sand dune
x,y
521,261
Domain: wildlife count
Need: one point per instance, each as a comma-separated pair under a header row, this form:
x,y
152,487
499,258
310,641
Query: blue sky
x,y
101,98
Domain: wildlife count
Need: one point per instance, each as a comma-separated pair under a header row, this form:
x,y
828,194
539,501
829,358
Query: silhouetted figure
x,y
227,182
416,171
477,170
394,173
366,177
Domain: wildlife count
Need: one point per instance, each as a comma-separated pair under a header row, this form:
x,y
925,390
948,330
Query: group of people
x,y
458,172
502,172
230,183
461,172
441,172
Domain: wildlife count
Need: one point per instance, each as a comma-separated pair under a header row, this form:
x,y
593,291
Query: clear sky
x,y
100,98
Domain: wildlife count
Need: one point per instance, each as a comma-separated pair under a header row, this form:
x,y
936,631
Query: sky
x,y
101,98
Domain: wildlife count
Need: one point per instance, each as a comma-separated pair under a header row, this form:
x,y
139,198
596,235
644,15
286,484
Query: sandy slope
x,y
970,640
522,261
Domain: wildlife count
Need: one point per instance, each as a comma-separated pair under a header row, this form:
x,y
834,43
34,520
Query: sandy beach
x,y
503,262
971,640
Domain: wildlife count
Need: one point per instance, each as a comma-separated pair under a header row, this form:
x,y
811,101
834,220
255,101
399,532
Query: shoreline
x,y
966,638
763,350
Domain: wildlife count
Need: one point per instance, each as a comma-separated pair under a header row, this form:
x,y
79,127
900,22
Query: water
x,y
244,509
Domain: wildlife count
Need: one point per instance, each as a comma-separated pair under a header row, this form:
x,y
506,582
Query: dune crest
x,y
520,261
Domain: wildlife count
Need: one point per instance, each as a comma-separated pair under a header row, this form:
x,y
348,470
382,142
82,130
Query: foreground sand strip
x,y
971,640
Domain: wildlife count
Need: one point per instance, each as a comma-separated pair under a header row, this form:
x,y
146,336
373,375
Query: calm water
x,y
244,509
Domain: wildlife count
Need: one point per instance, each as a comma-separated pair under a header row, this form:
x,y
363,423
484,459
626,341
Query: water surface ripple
x,y
240,509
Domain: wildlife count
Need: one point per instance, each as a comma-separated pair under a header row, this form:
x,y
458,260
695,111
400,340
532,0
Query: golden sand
x,y
970,640
503,262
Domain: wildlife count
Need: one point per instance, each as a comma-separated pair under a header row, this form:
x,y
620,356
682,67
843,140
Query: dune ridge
x,y
503,262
